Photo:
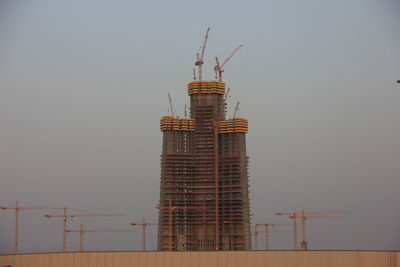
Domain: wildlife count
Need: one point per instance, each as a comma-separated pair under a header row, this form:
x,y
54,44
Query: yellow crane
x,y
304,215
17,210
65,217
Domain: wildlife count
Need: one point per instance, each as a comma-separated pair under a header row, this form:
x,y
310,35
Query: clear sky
x,y
83,85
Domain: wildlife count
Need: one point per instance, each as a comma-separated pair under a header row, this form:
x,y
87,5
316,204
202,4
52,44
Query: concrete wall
x,y
207,259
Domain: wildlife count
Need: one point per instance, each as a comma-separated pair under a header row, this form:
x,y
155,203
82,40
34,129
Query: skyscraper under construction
x,y
204,197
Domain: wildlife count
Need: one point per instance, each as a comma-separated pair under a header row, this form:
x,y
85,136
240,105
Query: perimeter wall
x,y
206,259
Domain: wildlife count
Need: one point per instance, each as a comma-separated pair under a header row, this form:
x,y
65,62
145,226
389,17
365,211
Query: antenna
x,y
185,111
199,62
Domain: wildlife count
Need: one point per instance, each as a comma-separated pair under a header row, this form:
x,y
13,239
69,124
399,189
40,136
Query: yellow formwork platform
x,y
206,87
169,123
238,125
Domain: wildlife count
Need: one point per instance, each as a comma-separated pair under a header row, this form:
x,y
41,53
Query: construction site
x,y
204,210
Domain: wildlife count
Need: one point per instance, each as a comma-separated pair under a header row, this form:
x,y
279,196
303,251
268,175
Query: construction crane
x,y
65,217
219,68
304,215
171,209
236,110
266,233
304,218
292,215
144,225
82,231
17,209
268,229
170,105
199,56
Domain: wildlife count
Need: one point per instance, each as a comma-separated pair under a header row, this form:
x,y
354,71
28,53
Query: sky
x,y
84,84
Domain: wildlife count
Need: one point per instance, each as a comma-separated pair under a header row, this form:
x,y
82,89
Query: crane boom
x,y
230,56
199,62
83,215
236,109
82,231
170,105
17,209
304,215
65,216
219,68
204,44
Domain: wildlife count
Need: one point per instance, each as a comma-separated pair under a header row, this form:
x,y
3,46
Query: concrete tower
x,y
204,196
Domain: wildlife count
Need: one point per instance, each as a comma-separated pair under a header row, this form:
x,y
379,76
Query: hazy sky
x,y
84,83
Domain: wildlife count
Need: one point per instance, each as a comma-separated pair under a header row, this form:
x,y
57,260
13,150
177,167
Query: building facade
x,y
204,194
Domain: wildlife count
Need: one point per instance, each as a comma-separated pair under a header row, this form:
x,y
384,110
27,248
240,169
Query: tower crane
x,y
304,218
304,215
268,229
144,225
82,231
219,68
17,209
199,56
65,216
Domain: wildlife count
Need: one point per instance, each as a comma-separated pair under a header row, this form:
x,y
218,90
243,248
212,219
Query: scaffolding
x,y
204,196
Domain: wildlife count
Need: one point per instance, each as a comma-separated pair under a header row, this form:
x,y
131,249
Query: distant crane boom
x,y
65,216
17,209
304,215
82,231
